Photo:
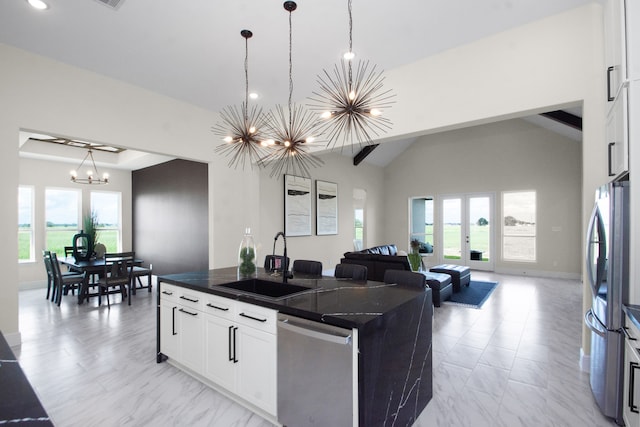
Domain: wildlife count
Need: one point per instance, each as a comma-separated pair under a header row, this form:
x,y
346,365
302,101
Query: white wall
x,y
557,61
41,174
326,249
502,156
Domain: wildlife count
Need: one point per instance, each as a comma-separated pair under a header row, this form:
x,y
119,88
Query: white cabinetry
x,y
617,135
631,391
240,352
615,46
182,326
632,13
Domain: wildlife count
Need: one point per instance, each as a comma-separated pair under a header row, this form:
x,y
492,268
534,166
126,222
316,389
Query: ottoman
x,y
441,287
460,274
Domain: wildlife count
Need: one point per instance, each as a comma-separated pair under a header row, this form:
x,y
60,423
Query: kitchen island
x,y
391,326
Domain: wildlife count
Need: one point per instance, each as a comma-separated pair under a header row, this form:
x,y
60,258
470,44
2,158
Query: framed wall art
x,y
326,208
297,206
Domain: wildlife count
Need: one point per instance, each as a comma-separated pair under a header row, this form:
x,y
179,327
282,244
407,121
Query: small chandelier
x,y
351,106
241,129
92,174
291,131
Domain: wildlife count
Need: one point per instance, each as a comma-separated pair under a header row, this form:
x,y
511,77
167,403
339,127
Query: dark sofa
x,y
378,260
382,258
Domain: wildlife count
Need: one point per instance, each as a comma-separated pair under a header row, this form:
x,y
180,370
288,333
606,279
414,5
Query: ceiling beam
x,y
565,118
363,153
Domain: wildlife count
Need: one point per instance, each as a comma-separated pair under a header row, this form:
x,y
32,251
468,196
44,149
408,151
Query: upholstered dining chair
x,y
405,278
63,282
304,266
117,273
351,271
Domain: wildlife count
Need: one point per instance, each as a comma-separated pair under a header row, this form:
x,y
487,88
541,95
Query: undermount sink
x,y
266,288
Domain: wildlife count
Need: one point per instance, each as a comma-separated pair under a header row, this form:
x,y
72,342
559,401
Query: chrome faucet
x,y
285,267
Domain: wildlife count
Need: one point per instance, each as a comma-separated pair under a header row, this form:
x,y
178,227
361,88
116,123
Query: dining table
x,y
92,267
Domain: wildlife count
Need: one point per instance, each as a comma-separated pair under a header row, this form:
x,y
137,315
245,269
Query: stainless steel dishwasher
x,y
315,374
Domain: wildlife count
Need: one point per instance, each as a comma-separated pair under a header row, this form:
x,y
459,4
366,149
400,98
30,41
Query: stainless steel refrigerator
x,y
608,275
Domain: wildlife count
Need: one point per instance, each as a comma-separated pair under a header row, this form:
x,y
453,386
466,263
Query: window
x,y
106,206
62,213
519,226
25,224
421,223
358,229
359,202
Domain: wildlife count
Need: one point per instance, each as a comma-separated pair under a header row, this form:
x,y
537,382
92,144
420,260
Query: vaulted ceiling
x,y
192,50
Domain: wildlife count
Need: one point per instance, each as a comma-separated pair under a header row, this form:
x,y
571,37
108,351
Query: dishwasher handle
x,y
308,331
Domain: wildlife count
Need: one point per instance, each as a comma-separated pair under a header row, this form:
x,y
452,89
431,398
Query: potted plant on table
x,y
90,223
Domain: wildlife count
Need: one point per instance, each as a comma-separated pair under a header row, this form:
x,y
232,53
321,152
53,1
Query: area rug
x,y
473,295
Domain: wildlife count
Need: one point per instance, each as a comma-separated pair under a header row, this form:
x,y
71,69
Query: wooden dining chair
x,y
137,273
117,273
63,282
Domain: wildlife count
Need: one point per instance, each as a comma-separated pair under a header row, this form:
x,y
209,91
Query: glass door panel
x,y
452,230
479,222
467,230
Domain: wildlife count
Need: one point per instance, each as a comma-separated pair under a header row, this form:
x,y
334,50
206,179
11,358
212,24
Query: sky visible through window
x,y
61,206
106,206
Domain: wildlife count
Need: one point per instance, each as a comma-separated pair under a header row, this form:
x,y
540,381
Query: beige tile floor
x,y
512,363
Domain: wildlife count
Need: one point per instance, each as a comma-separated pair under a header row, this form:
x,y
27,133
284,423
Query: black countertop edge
x,y
286,305
633,311
19,404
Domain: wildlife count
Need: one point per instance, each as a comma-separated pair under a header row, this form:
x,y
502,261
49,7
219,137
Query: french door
x,y
467,229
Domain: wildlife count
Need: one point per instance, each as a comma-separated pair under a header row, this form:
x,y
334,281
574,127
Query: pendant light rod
x,y
247,34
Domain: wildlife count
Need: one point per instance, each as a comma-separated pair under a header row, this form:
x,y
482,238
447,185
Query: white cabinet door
x,y
615,46
191,338
617,136
219,364
168,329
256,355
631,390
633,39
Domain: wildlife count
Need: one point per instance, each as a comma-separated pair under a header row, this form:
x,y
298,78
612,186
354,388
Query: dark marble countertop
x,y
339,302
19,404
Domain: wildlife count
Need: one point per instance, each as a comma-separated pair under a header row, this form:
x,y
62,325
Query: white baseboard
x,y
539,273
585,362
36,284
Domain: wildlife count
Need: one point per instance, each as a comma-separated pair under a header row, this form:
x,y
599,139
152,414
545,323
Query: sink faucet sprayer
x,y
285,267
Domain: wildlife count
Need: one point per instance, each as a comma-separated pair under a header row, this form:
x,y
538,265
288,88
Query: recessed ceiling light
x,y
38,4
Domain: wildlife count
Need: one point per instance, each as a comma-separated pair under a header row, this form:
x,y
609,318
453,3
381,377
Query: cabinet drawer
x,y
168,292
260,318
191,299
219,306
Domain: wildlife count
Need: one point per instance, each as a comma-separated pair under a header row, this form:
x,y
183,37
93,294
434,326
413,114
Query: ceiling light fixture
x,y
241,128
351,105
91,173
292,130
38,4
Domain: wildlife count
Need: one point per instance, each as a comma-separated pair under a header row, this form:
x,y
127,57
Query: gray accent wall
x,y
170,209
512,155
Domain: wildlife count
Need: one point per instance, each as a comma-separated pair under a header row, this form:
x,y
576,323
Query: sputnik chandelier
x,y
242,129
291,131
351,105
92,174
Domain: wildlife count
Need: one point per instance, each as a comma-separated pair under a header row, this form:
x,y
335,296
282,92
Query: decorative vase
x,y
247,256
415,261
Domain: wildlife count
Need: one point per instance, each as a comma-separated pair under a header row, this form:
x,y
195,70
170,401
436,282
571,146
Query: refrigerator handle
x,y
594,323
